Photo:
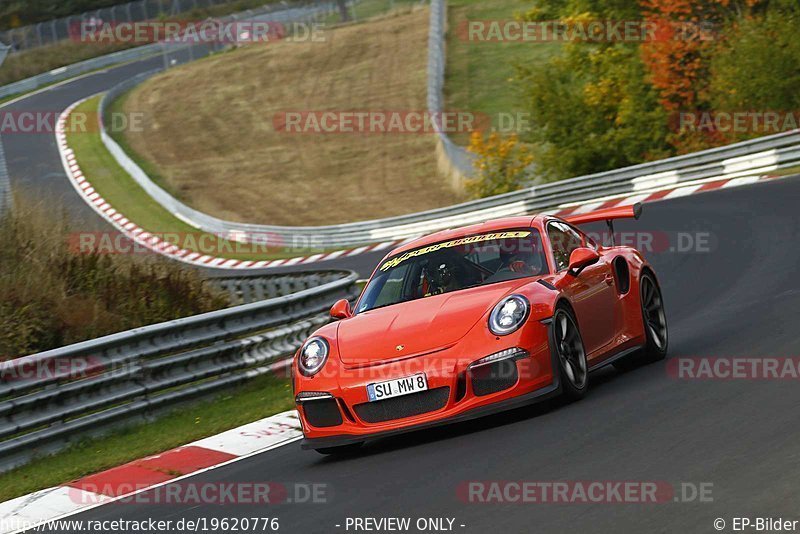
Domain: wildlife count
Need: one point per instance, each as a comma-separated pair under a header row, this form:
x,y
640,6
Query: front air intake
x,y
493,377
322,413
405,406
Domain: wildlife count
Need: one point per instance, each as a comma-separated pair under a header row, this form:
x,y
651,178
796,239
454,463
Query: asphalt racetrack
x,y
734,295
728,265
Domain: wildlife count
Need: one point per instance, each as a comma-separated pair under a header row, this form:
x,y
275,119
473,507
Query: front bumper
x,y
508,404
454,393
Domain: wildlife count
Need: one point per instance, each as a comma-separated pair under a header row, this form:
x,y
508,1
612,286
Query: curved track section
x,y
36,170
33,159
737,294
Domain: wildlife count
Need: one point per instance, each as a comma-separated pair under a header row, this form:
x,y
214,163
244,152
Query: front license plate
x,y
397,387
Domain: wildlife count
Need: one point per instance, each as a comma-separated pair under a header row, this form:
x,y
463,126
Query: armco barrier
x,y
254,288
51,398
454,161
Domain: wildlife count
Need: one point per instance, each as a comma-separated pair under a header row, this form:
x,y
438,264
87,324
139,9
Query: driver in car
x,y
440,275
517,263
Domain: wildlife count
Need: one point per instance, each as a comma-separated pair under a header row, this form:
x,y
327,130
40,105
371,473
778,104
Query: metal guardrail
x,y
76,69
51,398
255,288
460,161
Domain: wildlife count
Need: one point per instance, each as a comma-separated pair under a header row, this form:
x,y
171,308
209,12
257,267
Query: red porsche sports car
x,y
467,322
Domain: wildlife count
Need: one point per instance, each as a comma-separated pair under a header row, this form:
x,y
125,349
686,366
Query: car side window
x,y
563,241
587,239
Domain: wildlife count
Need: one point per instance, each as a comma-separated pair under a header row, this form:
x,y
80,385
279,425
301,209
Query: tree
x,y
692,37
757,66
501,164
592,110
24,12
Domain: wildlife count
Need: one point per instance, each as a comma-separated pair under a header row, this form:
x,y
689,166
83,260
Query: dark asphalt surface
x,y
739,298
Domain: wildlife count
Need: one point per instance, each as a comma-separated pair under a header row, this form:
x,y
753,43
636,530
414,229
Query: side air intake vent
x,y
622,274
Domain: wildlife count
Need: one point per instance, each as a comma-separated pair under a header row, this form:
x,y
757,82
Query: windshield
x,y
453,265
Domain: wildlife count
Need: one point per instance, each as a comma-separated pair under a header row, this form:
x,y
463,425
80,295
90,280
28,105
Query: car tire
x,y
342,450
570,354
654,319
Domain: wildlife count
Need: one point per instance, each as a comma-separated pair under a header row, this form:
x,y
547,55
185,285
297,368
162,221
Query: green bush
x,y
501,163
592,111
757,65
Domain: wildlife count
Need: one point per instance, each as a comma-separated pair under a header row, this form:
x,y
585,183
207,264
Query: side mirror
x,y
581,258
341,310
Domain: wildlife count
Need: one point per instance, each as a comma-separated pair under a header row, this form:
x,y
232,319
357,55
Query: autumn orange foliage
x,y
677,59
673,59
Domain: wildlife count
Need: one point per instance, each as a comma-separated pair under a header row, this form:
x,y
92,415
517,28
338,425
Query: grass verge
x,y
262,397
479,74
117,108
126,196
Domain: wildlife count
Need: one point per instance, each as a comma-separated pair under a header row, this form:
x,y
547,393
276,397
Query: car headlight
x,y
313,356
509,314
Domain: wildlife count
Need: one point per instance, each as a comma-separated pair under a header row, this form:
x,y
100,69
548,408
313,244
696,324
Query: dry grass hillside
x,y
208,128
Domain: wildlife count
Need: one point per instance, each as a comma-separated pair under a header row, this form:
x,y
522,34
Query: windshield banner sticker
x,y
397,260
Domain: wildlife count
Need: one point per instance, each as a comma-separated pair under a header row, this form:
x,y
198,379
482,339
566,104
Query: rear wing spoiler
x,y
608,215
625,212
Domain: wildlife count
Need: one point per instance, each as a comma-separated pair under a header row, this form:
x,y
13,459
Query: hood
x,y
420,326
